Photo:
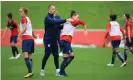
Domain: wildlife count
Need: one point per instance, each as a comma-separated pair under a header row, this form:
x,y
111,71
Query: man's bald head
x,y
51,9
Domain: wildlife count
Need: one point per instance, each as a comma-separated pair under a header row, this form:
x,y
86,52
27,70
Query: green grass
x,y
94,13
89,64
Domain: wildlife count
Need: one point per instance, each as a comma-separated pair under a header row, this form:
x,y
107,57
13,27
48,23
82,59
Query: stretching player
x,y
27,39
66,38
114,31
13,26
129,35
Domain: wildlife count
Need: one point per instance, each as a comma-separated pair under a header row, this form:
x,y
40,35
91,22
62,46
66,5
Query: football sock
x,y
120,57
16,49
28,64
13,51
63,64
31,61
113,58
69,60
125,54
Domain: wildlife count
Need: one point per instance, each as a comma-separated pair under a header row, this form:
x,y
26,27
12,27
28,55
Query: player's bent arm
x,y
83,24
122,32
105,39
107,32
18,28
106,36
5,31
23,30
128,30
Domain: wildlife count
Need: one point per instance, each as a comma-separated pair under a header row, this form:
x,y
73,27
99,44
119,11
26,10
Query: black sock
x,y
13,51
31,61
113,58
125,54
120,57
131,51
69,60
63,64
44,60
16,49
28,64
56,60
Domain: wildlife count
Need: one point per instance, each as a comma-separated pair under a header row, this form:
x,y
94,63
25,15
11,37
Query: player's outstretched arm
x,y
85,31
107,34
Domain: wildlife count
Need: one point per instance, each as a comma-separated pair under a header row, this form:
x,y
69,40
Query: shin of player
x,y
129,35
114,31
13,26
66,38
27,40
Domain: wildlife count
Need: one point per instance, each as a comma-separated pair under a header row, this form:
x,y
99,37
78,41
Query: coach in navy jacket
x,y
50,26
50,38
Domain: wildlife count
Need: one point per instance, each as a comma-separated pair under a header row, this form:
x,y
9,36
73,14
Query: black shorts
x,y
28,46
66,47
129,44
115,43
13,39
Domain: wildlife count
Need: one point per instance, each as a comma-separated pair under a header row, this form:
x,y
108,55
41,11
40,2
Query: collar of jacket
x,y
50,14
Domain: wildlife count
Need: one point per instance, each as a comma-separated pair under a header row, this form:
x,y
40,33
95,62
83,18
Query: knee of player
x,y
72,54
116,50
25,54
66,55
